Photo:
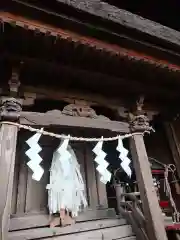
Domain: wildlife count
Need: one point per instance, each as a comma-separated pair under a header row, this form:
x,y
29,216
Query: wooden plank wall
x,y
30,219
31,197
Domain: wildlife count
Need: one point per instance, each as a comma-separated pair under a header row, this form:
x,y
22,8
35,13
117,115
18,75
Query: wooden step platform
x,y
106,229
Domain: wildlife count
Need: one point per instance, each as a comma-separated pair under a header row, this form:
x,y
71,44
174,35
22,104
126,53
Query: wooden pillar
x,y
8,136
119,195
96,190
91,180
173,144
102,193
153,214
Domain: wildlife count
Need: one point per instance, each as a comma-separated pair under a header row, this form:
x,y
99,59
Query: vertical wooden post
x,y
8,136
102,193
119,194
91,180
173,144
153,214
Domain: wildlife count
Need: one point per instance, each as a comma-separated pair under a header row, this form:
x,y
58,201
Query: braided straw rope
x,y
72,138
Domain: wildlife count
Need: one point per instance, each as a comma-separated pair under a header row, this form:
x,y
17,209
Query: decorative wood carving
x,y
11,106
138,120
78,109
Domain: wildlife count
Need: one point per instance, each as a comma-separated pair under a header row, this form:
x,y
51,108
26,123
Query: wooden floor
x,y
104,229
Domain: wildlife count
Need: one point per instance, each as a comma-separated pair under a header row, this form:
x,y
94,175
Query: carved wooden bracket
x,y
11,106
138,119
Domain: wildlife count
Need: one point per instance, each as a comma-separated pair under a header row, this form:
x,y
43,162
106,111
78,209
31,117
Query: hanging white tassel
x,y
66,189
35,159
124,157
102,163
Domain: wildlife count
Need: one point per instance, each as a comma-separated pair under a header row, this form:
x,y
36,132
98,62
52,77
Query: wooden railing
x,y
131,210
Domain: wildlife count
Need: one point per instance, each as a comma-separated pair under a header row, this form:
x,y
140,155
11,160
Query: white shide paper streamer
x,y
102,163
66,189
124,157
35,159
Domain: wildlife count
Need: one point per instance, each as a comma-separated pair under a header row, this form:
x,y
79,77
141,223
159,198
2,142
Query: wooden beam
x,y
154,220
45,119
117,104
8,136
125,18
109,81
71,95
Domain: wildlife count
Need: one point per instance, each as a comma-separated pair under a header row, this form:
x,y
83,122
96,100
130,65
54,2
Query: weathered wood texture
x,y
36,196
47,119
8,137
21,182
110,228
173,144
42,220
91,179
152,211
101,191
32,196
119,195
125,18
15,185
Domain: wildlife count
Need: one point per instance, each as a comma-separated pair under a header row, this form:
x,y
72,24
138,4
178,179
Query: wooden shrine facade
x,y
78,82
29,198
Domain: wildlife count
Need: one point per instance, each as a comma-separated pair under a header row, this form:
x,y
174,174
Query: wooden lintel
x,y
92,99
45,119
125,18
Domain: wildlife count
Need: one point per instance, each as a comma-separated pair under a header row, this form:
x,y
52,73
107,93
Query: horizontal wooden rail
x,y
48,119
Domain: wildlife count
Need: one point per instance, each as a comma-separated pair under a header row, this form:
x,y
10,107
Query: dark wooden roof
x,y
56,57
110,12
